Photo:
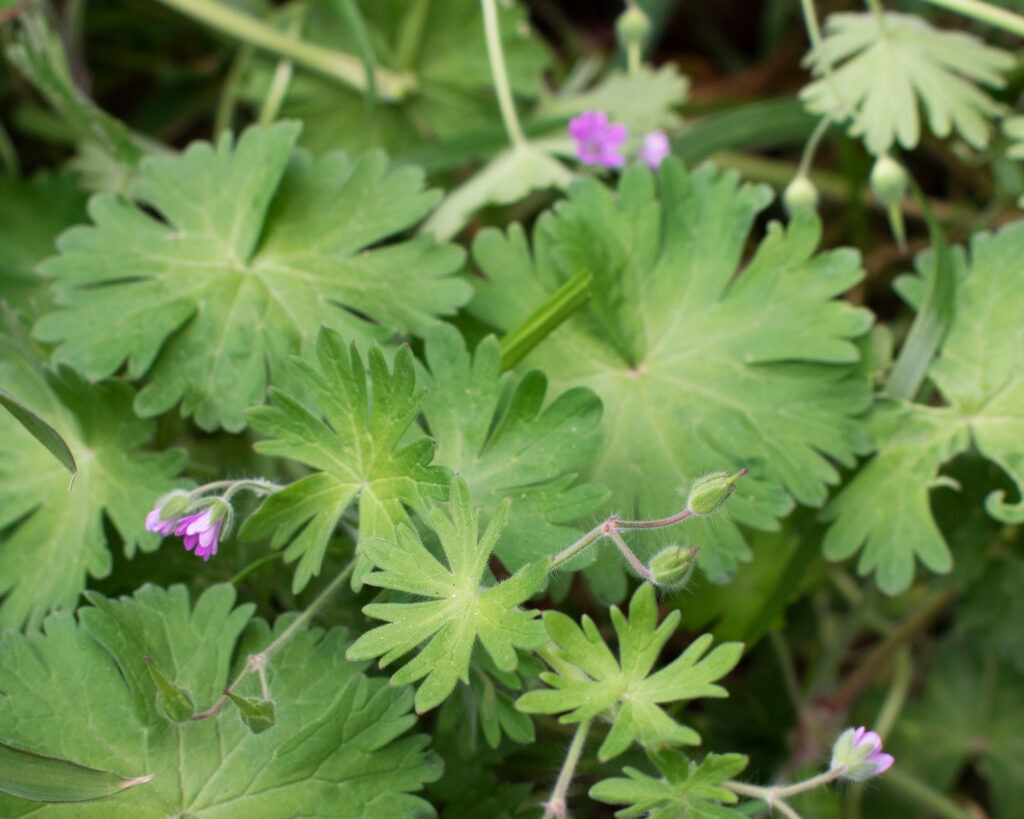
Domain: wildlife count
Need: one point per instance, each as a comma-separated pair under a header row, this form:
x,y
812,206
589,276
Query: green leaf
x,y
938,70
698,369
968,721
32,214
49,779
509,177
496,432
591,682
992,611
440,44
458,610
685,789
46,526
40,430
82,690
354,444
254,249
979,373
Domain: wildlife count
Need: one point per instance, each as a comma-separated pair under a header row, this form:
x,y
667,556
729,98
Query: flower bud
x,y
888,180
711,491
257,714
673,565
173,701
859,752
632,27
800,196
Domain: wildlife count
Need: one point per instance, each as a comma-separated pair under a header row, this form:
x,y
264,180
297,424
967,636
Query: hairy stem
x,y
556,807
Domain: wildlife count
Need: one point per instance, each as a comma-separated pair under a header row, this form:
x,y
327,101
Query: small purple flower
x,y
200,532
597,141
655,149
859,752
156,523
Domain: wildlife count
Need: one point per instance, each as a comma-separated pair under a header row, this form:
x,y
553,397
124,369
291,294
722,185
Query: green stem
x,y
811,23
771,795
565,301
631,558
335,65
788,668
283,72
258,662
899,688
811,148
922,795
231,90
986,13
567,554
500,74
556,807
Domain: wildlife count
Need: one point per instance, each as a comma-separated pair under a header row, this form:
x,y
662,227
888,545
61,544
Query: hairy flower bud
x,y
858,752
800,196
632,27
673,565
711,491
888,180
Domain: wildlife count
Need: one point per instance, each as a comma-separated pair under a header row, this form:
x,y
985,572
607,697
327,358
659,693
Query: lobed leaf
x,y
81,690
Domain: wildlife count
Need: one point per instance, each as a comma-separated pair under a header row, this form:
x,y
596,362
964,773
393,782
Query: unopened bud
x,y
800,196
888,180
173,505
711,491
673,565
173,701
632,27
257,714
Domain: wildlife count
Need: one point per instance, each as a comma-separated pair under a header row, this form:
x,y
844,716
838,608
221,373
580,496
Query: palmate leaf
x,y
980,375
441,45
255,248
355,448
496,432
459,609
698,369
685,790
590,681
922,66
81,691
50,526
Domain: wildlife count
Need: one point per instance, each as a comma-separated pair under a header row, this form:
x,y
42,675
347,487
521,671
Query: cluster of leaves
x,y
291,299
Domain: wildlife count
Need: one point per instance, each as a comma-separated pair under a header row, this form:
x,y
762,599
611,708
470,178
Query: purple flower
x,y
156,523
655,149
859,752
200,532
597,141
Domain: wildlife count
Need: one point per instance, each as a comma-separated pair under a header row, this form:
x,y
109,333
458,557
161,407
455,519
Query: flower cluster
x,y
599,142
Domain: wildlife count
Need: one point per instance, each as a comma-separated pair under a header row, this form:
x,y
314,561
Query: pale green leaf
x,y
80,690
354,444
685,790
44,524
625,691
498,432
40,778
255,247
458,609
698,369
922,67
979,372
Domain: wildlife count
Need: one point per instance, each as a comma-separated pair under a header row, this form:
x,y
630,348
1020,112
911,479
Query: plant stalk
x,y
496,55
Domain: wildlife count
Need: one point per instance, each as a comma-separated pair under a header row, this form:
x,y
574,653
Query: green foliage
x,y
970,715
884,510
82,690
697,369
32,213
685,789
254,249
938,70
43,524
459,609
440,45
355,443
494,429
49,779
589,681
